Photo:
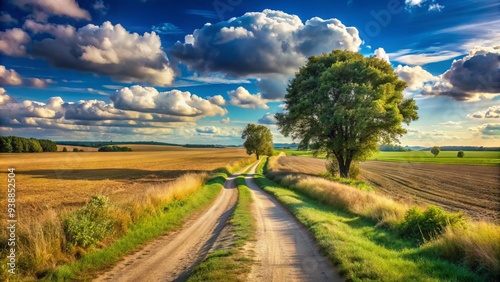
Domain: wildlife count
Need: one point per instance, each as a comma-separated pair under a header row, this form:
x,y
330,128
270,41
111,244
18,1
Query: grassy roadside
x,y
362,250
140,233
169,216
231,264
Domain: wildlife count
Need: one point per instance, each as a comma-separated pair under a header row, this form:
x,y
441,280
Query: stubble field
x,y
62,180
470,189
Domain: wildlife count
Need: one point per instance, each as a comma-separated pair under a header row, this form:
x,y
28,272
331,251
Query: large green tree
x,y
345,104
259,140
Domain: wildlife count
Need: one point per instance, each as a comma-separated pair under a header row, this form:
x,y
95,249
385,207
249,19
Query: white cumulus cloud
x,y
43,9
108,50
491,112
263,43
242,98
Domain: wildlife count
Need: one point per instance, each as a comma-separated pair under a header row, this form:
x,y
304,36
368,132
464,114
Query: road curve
x,y
284,250
172,257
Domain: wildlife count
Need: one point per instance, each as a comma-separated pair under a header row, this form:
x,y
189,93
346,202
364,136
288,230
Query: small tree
x,y
64,149
259,140
75,149
460,154
435,151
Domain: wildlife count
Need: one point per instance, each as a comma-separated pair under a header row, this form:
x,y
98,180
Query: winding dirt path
x,y
284,250
172,257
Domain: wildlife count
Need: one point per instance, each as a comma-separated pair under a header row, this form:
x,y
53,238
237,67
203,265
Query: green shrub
x,y
75,149
64,149
332,166
428,224
353,171
90,224
460,154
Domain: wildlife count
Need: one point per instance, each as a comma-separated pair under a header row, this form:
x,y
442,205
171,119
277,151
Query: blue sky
x,y
199,71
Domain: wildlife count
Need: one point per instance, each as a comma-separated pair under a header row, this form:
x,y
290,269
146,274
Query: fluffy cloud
x,y
217,100
262,43
100,7
7,18
491,112
436,7
167,28
487,130
433,6
13,42
267,119
208,129
9,77
173,102
153,112
242,98
474,76
380,53
414,76
43,9
108,50
5,98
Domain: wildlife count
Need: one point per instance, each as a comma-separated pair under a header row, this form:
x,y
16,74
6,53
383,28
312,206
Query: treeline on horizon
x,y
98,144
14,144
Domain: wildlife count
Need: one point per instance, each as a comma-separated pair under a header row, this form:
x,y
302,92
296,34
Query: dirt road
x,y
172,257
284,250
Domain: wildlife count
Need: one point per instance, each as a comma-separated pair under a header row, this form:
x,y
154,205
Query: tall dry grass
x,y
477,244
42,243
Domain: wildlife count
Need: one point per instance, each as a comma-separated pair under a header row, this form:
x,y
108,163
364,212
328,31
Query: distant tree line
x,y
114,148
98,144
392,148
14,144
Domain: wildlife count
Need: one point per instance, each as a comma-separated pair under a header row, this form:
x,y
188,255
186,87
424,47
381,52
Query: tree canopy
x,y
259,140
435,151
345,104
14,144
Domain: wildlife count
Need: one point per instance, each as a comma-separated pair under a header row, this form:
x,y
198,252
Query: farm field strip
x,y
471,189
68,179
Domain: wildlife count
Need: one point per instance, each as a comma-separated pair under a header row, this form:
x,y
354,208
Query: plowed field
x,y
474,190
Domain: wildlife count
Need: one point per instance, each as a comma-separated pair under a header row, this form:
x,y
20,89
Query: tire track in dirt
x,y
284,250
173,257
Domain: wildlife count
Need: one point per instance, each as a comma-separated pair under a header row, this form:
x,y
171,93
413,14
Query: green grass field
x,y
444,157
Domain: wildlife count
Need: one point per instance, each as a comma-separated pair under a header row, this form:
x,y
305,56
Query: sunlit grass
x,y
369,247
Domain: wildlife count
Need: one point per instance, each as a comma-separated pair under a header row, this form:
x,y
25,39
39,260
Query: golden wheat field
x,y
68,179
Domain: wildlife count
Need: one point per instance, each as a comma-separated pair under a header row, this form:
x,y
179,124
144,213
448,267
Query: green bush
x,y
90,224
428,224
353,171
332,166
460,154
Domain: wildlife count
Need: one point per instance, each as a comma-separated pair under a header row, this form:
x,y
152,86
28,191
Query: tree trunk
x,y
257,155
344,166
